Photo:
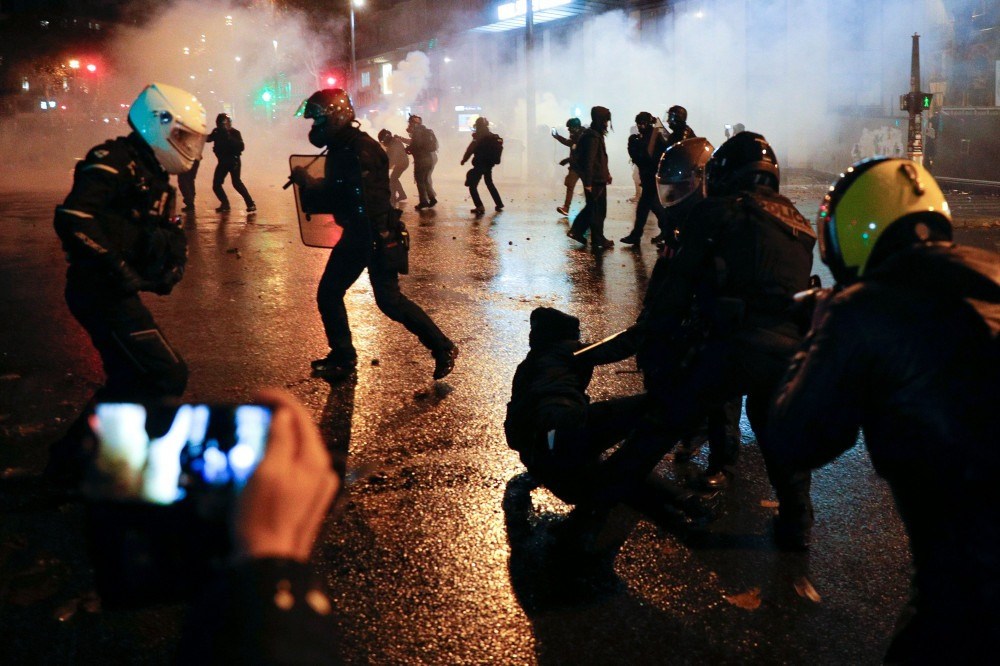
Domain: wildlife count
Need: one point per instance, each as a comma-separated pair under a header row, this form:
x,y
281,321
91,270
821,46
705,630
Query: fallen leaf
x,y
805,589
749,600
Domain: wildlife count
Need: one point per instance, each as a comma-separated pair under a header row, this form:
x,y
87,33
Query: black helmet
x,y
676,117
644,118
745,160
682,171
573,123
333,104
384,135
222,119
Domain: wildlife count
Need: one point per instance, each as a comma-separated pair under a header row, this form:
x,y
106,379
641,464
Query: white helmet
x,y
172,122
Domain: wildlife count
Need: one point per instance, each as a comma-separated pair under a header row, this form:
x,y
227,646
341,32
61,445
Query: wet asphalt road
x,y
440,553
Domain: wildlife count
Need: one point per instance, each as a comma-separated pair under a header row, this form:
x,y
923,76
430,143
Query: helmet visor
x,y
187,143
307,110
673,193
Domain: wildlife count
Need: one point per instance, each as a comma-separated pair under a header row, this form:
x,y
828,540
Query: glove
x,y
167,282
299,176
130,281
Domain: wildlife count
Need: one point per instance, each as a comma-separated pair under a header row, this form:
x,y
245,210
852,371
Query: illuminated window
x,y
366,79
386,73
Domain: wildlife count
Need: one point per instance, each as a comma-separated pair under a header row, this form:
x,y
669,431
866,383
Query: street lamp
x,y
354,67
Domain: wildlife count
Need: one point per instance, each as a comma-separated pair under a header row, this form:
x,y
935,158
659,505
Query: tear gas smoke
x,y
780,68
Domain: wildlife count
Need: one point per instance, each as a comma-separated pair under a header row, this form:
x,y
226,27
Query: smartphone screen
x,y
164,454
162,489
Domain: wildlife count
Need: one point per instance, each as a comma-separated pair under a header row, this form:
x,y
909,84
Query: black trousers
x,y
395,187
349,257
649,202
593,213
230,167
139,362
185,183
486,174
751,363
423,168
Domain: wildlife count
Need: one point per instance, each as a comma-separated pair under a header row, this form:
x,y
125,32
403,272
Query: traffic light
x,y
916,102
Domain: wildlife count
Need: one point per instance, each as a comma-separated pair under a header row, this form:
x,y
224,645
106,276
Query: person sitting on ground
x,y
561,436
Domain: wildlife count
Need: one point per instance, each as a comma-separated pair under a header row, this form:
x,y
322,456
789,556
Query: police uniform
x,y
356,190
120,237
740,261
910,353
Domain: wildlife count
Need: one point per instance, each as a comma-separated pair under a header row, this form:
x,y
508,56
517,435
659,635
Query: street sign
x,y
317,228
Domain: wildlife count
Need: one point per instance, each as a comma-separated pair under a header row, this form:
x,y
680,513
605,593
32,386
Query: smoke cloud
x,y
780,67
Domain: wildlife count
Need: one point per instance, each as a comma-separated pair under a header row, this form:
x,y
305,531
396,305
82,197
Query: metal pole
x,y
354,68
915,140
529,65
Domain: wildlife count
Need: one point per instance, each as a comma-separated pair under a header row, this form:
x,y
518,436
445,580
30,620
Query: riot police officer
x,y
906,347
719,325
677,123
121,238
355,188
645,148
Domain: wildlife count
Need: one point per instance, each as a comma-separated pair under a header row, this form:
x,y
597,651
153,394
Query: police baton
x,y
311,162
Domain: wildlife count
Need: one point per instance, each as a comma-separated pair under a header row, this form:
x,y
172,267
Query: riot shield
x,y
318,228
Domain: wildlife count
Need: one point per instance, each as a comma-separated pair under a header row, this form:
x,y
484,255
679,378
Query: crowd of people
x,y
904,346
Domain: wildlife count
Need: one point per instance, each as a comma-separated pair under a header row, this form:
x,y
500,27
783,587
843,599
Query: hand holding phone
x,y
555,132
283,506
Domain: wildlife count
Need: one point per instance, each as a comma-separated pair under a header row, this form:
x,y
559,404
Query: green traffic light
x,y
927,101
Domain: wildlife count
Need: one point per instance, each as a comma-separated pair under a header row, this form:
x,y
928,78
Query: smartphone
x,y
161,490
555,132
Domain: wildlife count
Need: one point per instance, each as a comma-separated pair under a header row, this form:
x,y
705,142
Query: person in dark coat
x,y
121,238
399,162
645,148
423,145
593,168
186,184
355,189
574,127
561,435
484,149
720,324
228,147
907,349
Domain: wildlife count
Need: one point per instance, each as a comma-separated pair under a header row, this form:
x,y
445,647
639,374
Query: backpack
x,y
492,149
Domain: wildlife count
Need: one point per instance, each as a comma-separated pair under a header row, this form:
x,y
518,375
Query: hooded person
x,y
574,127
593,169
228,147
561,435
485,150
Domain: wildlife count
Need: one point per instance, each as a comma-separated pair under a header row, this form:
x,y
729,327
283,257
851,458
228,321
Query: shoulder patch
x,y
100,153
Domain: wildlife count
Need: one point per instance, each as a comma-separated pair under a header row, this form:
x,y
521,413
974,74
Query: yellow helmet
x,y
875,208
